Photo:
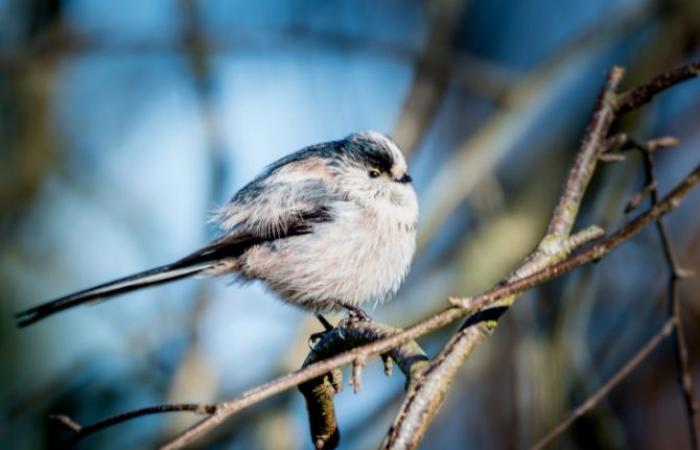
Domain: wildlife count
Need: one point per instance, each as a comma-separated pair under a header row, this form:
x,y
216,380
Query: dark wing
x,y
286,200
295,218
192,264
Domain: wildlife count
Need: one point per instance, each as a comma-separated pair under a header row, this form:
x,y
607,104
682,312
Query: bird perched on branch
x,y
330,226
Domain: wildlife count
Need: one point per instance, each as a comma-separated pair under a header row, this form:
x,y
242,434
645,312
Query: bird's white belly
x,y
359,257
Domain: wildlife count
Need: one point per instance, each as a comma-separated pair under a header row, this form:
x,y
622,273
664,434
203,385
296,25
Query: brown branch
x,y
80,432
594,252
643,94
594,140
319,392
620,375
675,273
422,404
685,381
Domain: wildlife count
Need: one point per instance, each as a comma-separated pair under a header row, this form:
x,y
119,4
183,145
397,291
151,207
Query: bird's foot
x,y
355,313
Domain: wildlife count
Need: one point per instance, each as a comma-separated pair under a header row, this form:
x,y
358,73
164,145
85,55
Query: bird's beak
x,y
405,179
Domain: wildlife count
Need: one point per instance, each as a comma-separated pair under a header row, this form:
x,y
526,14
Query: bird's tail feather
x,y
193,264
139,280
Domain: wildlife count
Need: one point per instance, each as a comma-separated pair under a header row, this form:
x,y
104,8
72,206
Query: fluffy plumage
x,y
330,225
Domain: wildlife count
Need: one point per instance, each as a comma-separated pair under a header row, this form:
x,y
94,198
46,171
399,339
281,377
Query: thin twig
x,y
643,94
685,380
611,383
80,432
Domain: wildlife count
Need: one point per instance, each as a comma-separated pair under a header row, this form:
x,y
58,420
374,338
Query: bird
x,y
329,227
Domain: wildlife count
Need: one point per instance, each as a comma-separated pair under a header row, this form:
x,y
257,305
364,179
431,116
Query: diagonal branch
x,y
673,324
643,94
80,432
422,404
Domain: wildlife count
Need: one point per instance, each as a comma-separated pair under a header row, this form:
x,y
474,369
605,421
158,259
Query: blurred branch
x,y
192,365
620,375
81,432
673,323
432,74
479,154
30,148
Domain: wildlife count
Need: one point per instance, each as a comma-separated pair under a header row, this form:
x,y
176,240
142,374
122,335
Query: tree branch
x,y
422,404
685,381
80,432
319,392
647,149
643,94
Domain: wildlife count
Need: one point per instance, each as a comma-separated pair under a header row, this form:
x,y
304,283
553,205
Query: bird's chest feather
x,y
379,249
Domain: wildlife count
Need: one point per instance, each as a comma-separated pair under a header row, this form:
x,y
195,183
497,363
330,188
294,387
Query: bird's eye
x,y
374,173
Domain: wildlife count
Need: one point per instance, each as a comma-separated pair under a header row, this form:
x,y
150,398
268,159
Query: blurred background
x,y
123,124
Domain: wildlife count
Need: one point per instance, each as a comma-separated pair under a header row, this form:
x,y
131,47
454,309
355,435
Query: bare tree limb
x,y
643,94
685,381
319,392
80,432
422,404
647,149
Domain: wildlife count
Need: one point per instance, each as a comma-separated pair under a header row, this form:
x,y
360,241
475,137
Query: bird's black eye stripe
x,y
374,173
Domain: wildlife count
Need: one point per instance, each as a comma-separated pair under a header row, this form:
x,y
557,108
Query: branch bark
x,y
422,404
80,432
320,392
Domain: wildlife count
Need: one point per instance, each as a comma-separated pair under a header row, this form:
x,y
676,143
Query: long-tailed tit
x,y
332,225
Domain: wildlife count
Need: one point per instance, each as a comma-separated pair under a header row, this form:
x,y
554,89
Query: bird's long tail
x,y
193,264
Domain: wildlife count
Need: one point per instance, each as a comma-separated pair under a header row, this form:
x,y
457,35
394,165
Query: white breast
x,y
361,256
